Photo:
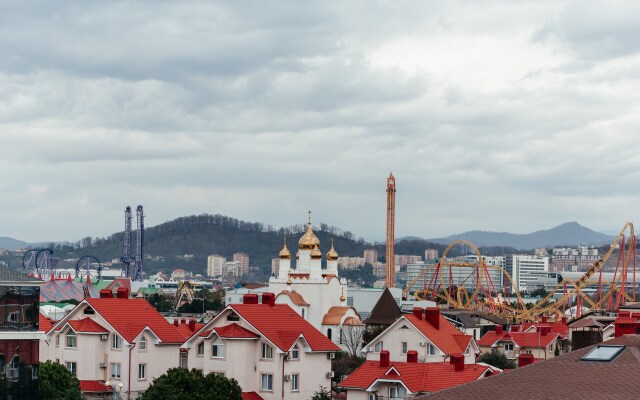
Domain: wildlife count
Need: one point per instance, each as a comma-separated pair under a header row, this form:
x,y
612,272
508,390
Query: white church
x,y
318,294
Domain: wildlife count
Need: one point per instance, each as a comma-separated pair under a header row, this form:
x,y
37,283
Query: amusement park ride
x,y
494,297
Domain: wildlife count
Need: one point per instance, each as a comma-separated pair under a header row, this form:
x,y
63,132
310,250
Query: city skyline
x,y
498,117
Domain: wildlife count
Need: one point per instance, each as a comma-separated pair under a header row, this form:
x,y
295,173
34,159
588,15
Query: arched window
x,y
329,333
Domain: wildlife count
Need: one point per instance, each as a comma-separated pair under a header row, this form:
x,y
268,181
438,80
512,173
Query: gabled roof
x,y
385,312
282,326
87,325
130,316
235,331
120,282
45,324
522,339
296,298
557,327
417,377
561,378
447,338
186,331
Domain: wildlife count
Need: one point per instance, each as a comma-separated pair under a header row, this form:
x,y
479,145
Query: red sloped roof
x,y
251,396
45,323
418,377
282,326
447,338
87,325
94,387
556,327
130,316
234,331
522,339
186,331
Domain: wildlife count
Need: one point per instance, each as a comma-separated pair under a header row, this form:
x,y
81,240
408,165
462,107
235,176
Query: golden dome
x,y
308,240
289,281
316,254
343,297
285,253
332,255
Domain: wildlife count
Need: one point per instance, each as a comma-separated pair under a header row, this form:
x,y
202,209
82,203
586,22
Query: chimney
x,y
412,356
564,320
105,294
417,311
384,359
499,329
432,316
515,328
269,298
175,322
183,321
544,319
123,293
624,314
457,360
525,359
250,298
545,330
192,325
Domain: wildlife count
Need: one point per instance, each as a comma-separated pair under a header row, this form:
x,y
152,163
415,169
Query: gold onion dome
x,y
309,240
332,255
316,254
285,253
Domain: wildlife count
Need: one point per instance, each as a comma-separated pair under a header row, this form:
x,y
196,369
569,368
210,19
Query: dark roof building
x,y
595,372
385,312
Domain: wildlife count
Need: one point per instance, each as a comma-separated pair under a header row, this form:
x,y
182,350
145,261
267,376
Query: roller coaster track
x,y
485,296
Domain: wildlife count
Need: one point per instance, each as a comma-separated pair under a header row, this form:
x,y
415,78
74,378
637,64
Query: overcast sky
x,y
508,116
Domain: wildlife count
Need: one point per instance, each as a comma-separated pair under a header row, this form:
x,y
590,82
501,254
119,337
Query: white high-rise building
x,y
524,269
214,265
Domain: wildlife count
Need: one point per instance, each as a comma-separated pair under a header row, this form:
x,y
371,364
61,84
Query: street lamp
x,y
115,390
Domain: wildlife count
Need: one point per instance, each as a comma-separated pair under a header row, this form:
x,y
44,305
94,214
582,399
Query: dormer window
x,y
378,347
200,349
143,344
217,349
71,339
295,353
233,317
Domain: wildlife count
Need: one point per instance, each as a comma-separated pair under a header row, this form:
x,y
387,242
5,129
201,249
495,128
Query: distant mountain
x,y
8,243
567,234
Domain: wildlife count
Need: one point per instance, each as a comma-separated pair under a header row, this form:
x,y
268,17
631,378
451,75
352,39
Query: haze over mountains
x,y
8,243
567,234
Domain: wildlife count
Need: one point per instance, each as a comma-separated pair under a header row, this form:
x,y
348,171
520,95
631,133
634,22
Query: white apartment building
x,y
214,265
268,348
524,269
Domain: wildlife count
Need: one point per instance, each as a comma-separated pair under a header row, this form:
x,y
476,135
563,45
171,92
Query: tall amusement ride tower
x,y
391,225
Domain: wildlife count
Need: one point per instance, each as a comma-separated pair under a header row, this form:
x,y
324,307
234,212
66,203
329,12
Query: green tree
x,y
497,359
180,383
321,394
57,383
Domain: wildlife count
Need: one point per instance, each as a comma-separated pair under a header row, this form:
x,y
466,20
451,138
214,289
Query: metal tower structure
x,y
137,273
391,222
126,245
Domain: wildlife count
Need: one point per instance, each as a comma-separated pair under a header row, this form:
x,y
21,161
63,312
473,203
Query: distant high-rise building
x,y
370,256
400,260
525,269
430,254
350,262
214,265
243,259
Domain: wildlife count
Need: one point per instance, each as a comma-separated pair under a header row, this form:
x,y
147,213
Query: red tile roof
x,y
448,339
558,327
251,396
335,314
418,377
235,331
295,297
45,323
282,326
522,339
87,325
130,316
94,387
186,331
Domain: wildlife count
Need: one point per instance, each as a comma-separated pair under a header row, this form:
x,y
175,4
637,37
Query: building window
x,y
529,352
115,370
295,353
340,335
396,392
71,339
184,359
200,349
405,347
329,333
116,342
217,349
560,346
508,347
267,382
378,347
13,316
372,396
267,352
57,340
34,372
14,368
142,372
295,382
143,344
431,350
72,367
468,350
303,313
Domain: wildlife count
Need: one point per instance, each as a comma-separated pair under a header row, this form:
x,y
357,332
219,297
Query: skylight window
x,y
604,353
